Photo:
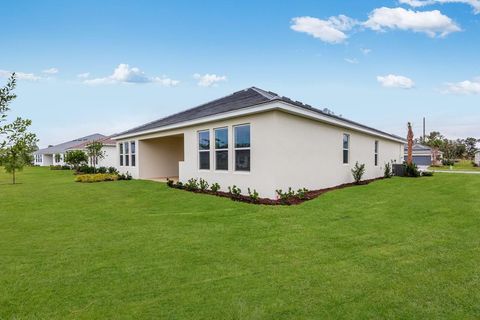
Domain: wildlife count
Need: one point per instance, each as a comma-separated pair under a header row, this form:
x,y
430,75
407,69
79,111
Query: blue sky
x,y
381,63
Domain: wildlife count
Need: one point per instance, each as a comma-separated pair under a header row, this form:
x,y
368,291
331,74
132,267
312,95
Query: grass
x,y
462,165
397,248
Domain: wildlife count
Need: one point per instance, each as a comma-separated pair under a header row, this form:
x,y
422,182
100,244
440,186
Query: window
x,y
121,153
376,152
127,154
221,149
346,148
204,150
133,151
242,147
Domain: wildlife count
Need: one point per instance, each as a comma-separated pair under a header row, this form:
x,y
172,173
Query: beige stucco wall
x,y
160,157
286,151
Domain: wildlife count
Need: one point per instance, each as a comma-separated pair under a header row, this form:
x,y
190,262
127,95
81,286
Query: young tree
x,y
95,153
471,147
75,158
16,143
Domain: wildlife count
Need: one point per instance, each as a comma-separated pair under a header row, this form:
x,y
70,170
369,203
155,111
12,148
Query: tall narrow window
x,y
346,148
221,149
376,152
204,150
242,147
127,154
121,153
133,152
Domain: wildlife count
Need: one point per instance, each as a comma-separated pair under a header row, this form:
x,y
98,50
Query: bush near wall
x,y
97,177
59,167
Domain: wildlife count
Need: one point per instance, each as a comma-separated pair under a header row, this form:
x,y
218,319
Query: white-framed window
x,y
241,146
133,151
221,149
346,148
38,158
376,152
127,154
120,147
204,150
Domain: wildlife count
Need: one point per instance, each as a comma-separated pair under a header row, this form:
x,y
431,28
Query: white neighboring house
x,y
477,158
258,139
108,149
424,156
54,155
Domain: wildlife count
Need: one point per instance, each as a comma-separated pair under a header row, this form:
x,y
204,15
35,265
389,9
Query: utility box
x,y
398,170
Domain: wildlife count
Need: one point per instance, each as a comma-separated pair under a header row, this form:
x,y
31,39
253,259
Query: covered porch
x,y
159,158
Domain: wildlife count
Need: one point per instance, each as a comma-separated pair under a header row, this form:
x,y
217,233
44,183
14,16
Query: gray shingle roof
x,y
419,147
236,101
62,147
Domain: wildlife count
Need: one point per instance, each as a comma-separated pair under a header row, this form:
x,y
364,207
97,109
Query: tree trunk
x,y
13,175
410,144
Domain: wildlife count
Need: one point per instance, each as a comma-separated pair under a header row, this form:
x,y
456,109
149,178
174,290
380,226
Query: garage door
x,y
421,160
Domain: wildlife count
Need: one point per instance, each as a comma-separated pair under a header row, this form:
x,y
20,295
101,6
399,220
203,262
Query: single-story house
x,y
54,155
256,139
109,150
423,155
477,158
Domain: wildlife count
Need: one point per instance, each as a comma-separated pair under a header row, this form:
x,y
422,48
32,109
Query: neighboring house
x,y
54,155
109,150
423,155
258,139
477,158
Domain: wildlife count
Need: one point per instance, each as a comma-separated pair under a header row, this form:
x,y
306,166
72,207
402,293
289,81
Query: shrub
x,y
191,185
125,176
102,170
388,172
411,170
112,170
179,185
358,171
75,158
59,167
427,173
203,184
285,196
97,177
254,196
234,192
170,183
302,193
448,162
84,169
215,187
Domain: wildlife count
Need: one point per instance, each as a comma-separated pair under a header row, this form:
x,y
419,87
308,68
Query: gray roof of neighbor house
x,y
419,147
62,147
238,100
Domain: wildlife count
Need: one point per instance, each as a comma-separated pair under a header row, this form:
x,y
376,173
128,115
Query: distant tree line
x,y
452,149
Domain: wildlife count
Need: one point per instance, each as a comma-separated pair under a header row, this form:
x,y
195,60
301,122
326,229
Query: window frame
x,y
215,149
346,149
126,150
121,154
133,153
376,148
235,149
207,151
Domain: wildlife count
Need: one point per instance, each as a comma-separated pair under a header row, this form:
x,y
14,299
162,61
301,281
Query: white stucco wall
x,y
477,158
110,157
286,151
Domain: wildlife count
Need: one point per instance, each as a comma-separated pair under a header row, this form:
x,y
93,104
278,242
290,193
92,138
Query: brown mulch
x,y
312,194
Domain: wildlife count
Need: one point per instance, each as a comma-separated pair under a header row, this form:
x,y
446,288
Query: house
x,y
256,139
54,155
423,155
477,158
109,150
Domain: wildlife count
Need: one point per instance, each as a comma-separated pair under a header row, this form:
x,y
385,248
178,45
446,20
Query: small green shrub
x,y
203,184
302,193
191,185
411,170
285,196
112,170
254,196
97,177
427,173
448,162
125,176
101,170
215,187
388,172
358,171
235,192
59,167
170,183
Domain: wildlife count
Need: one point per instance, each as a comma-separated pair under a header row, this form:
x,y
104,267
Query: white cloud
x,y
395,81
352,61
123,73
83,75
432,23
463,87
20,75
365,51
50,71
331,30
475,4
208,80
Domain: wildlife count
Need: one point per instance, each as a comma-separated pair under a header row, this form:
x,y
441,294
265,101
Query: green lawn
x,y
398,248
463,165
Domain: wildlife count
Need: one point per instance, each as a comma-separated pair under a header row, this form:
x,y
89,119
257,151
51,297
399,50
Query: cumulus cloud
x,y
395,81
432,23
365,51
475,4
50,71
464,87
20,75
83,75
123,73
331,30
209,80
352,61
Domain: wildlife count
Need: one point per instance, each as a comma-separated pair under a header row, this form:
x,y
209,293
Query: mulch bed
x,y
290,201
